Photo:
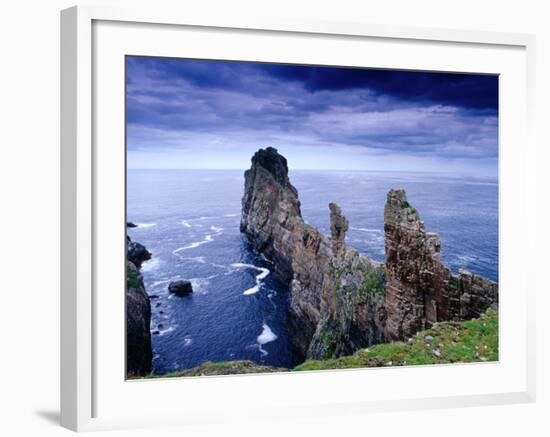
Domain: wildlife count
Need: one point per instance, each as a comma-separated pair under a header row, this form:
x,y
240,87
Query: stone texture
x,y
139,353
420,289
137,253
336,302
180,287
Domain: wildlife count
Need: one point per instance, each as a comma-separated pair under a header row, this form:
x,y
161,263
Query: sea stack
x,y
139,355
336,296
420,289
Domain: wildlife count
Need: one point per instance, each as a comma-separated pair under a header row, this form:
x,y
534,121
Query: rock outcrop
x,y
137,253
180,287
139,355
420,289
336,300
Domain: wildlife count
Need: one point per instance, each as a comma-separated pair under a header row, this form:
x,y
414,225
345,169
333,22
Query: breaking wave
x,y
267,336
259,278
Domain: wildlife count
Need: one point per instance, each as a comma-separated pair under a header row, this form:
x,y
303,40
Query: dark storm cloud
x,y
427,114
464,90
475,91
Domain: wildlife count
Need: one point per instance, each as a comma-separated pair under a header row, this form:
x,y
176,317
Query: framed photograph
x,y
291,218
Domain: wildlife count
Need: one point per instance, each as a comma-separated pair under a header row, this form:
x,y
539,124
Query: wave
x,y
369,230
200,284
259,278
187,341
466,259
150,265
267,336
231,215
145,225
207,239
162,332
199,259
185,223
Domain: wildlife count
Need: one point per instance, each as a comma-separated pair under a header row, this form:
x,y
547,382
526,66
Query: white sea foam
x,y
252,290
164,281
185,223
167,330
216,229
145,225
230,215
466,259
150,265
199,259
187,341
267,336
207,239
369,230
200,284
259,278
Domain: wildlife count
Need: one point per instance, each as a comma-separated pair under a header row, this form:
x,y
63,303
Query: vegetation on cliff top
x,y
446,342
238,367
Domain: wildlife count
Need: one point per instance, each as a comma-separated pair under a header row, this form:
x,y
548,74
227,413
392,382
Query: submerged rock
x,y
131,225
180,287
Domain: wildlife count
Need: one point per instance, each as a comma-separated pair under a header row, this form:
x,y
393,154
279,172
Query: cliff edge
x,y
139,354
420,289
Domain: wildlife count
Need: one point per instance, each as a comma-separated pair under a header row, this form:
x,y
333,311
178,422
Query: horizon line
x,y
316,169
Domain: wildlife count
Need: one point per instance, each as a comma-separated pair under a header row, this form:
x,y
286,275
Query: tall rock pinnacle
x,y
420,289
336,304
338,227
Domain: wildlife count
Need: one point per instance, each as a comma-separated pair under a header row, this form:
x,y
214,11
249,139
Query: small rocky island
x,y
341,301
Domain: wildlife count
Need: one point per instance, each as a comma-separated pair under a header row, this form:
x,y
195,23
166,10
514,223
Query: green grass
x,y
453,342
372,283
132,278
238,367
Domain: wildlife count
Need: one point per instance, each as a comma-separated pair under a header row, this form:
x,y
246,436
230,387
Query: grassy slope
x,y
210,368
452,342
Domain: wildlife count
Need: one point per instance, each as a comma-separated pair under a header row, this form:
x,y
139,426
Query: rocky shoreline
x,y
341,301
139,354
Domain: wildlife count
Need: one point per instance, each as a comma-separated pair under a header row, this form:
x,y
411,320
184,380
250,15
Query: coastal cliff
x,y
336,302
139,355
420,289
339,300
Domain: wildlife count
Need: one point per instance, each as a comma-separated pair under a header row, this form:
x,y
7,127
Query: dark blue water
x,y
189,220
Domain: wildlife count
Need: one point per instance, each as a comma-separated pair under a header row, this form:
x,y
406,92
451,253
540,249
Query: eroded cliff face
x,y
139,355
420,289
336,296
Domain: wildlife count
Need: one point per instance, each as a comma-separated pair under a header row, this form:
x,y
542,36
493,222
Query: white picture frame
x,y
93,388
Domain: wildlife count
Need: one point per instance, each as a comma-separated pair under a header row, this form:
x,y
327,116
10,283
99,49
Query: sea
x,y
189,221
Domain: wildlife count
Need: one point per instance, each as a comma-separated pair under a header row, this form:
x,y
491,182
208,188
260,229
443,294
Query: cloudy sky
x,y
215,114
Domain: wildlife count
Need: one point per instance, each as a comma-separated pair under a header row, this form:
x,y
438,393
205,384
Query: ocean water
x,y
189,220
